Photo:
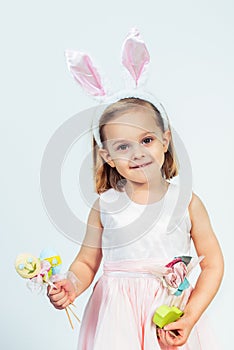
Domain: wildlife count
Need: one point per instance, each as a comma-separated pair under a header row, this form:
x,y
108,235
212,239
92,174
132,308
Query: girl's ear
x,y
166,140
106,157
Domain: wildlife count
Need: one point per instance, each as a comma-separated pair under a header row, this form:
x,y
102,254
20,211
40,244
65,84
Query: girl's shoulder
x,y
195,202
110,195
197,209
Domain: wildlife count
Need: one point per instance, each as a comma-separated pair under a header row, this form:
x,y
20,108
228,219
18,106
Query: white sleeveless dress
x,y
138,242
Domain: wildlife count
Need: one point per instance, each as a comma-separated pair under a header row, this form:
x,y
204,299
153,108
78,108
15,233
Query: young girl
x,y
128,228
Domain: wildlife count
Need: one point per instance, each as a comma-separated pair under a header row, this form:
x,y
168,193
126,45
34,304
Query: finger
x,y
171,326
53,290
179,324
166,338
161,336
67,303
58,296
158,332
60,303
170,338
71,298
177,341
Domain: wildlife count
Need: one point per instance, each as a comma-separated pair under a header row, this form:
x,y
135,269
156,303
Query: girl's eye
x,y
122,147
147,140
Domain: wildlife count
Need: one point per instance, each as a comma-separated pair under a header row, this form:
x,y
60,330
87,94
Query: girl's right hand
x,y
183,326
63,295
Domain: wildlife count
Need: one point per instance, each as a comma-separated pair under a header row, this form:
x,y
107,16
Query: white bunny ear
x,y
135,56
84,72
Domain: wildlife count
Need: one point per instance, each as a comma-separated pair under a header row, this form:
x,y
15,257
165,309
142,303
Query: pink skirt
x,y
118,315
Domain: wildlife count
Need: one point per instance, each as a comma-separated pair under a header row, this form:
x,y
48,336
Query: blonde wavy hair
x,y
106,177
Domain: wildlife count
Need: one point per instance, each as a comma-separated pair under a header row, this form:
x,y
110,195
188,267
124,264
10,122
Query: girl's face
x,y
135,145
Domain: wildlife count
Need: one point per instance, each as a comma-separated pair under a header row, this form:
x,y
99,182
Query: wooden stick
x,y
172,333
73,313
69,318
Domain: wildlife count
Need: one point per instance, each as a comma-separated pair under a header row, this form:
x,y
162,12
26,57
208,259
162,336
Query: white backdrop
x,y
192,73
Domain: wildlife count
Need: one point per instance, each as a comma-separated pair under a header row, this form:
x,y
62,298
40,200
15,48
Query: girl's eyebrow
x,y
142,135
119,141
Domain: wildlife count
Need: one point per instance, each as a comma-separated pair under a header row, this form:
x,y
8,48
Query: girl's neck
x,y
146,193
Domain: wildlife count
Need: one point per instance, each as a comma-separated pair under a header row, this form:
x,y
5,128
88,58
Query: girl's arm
x,y
212,267
87,262
84,266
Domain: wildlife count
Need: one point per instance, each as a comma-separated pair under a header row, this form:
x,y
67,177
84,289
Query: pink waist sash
x,y
173,274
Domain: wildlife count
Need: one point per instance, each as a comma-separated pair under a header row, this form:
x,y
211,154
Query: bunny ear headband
x,y
135,58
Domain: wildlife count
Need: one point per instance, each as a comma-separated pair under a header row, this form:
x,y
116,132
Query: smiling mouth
x,y
140,165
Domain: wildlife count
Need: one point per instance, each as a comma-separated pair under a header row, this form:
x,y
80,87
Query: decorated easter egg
x,y
27,265
53,258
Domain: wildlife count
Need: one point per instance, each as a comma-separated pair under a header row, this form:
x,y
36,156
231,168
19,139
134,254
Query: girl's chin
x,y
142,179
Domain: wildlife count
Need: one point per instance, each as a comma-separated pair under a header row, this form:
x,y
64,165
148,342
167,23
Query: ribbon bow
x,y
178,269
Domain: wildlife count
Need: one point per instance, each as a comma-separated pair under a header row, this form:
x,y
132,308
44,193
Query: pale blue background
x,y
191,45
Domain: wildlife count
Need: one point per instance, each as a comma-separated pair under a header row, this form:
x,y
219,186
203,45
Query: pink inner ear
x,y
84,72
135,56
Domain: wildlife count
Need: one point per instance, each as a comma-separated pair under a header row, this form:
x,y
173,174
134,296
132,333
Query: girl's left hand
x,y
183,327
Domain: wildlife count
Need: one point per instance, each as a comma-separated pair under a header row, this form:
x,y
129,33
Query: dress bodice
x,y
160,230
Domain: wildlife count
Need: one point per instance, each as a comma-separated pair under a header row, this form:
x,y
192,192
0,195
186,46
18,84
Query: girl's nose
x,y
138,151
